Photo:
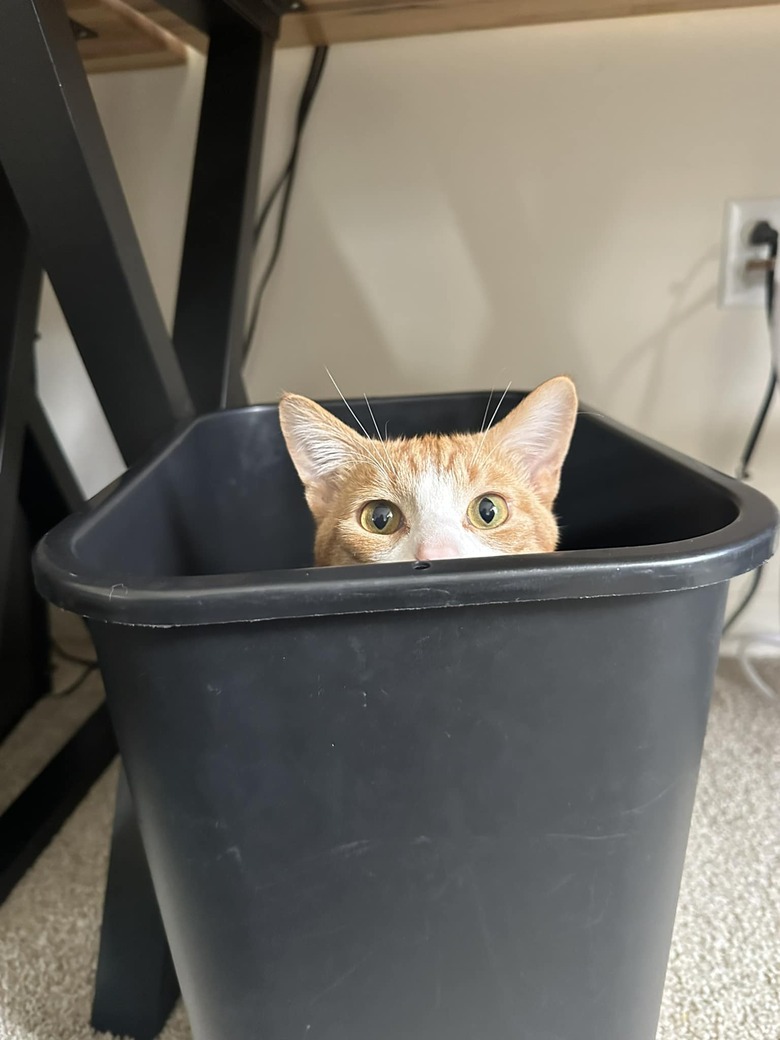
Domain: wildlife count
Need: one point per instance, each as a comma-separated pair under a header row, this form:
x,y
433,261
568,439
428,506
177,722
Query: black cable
x,y
68,690
304,107
740,609
284,184
758,425
762,234
89,665
66,655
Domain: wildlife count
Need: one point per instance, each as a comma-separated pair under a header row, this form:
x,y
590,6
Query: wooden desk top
x,y
143,34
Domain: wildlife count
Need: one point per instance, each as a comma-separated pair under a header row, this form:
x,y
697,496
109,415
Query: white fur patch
x,y
435,513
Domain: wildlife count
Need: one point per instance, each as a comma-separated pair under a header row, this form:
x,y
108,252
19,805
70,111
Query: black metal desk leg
x,y
58,163
20,289
216,263
49,489
136,985
33,473
23,623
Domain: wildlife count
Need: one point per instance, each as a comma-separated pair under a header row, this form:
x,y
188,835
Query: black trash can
x,y
391,803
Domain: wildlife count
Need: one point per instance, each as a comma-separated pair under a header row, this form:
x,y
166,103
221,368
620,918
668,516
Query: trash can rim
x,y
742,545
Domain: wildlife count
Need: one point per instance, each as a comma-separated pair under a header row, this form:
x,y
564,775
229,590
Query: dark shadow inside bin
x,y
226,498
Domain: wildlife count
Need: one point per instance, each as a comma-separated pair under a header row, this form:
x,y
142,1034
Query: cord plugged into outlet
x,y
746,251
748,278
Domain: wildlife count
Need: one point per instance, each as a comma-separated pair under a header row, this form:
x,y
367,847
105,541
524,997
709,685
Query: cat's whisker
x,y
350,409
500,402
373,457
487,458
379,435
487,408
373,417
483,437
482,427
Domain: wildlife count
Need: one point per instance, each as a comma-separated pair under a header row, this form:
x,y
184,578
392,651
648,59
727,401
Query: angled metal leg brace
x,y
57,160
20,289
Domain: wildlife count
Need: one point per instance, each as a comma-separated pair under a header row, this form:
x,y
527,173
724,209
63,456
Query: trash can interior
x,y
225,498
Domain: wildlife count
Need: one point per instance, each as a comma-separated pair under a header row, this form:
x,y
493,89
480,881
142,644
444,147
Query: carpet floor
x,y
723,981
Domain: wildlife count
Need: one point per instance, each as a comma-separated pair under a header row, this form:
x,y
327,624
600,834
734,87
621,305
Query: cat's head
x,y
437,496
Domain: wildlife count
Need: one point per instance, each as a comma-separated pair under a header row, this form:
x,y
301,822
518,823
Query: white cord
x,y
748,643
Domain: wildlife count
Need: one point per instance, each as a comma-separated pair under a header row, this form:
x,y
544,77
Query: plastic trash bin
x,y
391,803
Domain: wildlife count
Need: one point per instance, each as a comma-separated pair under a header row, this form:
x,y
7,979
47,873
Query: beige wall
x,y
486,207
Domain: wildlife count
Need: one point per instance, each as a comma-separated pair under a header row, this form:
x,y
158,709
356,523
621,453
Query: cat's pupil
x,y
487,510
381,517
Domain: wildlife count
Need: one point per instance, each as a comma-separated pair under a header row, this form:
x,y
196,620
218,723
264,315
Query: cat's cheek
x,y
400,552
474,547
538,535
348,543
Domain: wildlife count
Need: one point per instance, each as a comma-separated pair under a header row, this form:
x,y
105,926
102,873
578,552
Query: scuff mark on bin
x,y
339,981
560,884
487,938
352,848
234,852
593,917
113,589
588,837
637,809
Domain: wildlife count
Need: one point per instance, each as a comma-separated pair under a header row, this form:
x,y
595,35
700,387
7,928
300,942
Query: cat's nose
x,y
438,550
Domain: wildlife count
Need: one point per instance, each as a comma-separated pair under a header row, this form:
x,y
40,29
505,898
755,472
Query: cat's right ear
x,y
319,444
537,434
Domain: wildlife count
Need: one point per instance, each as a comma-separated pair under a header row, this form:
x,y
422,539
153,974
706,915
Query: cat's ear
x,y
319,444
538,432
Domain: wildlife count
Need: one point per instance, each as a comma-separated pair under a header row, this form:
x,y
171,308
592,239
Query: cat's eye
x,y
488,511
380,518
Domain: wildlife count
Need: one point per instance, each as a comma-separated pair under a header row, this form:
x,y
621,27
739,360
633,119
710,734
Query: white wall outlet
x,y
737,286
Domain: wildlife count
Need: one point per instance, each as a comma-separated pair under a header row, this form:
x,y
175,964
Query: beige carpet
x,y
723,981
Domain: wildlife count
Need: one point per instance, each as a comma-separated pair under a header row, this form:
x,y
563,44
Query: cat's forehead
x,y
433,468
444,489
450,456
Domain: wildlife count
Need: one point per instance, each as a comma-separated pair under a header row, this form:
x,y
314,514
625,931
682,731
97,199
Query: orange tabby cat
x,y
434,497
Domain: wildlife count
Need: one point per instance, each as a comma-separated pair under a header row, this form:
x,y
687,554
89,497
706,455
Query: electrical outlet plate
x,y
739,287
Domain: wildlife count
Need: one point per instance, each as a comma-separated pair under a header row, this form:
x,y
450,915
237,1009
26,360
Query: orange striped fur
x,y
431,482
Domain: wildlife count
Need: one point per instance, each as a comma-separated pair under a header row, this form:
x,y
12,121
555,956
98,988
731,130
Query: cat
x,y
438,496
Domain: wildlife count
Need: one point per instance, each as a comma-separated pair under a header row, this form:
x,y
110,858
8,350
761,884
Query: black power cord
x,y
75,685
66,655
284,184
88,666
745,602
763,234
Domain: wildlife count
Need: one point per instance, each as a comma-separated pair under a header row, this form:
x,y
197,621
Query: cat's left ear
x,y
320,445
538,433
